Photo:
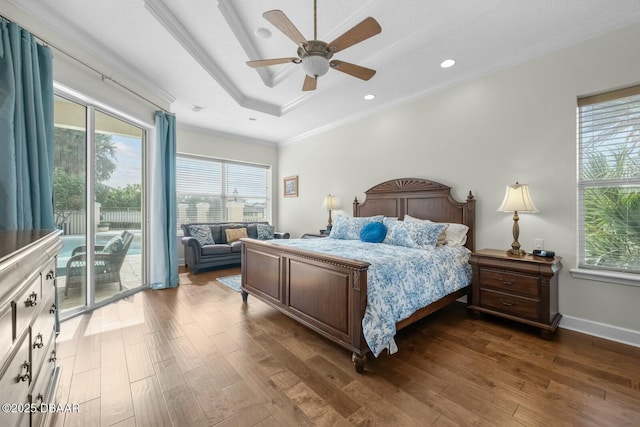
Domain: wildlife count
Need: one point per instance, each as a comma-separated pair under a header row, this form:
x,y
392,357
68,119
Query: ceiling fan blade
x,y
264,62
310,83
367,28
281,22
352,69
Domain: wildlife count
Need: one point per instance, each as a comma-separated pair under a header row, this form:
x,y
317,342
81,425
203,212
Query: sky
x,y
128,162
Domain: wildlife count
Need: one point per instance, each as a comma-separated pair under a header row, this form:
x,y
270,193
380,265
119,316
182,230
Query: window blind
x,y
216,190
609,180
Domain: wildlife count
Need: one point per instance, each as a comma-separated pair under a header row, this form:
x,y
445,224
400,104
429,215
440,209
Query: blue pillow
x,y
373,232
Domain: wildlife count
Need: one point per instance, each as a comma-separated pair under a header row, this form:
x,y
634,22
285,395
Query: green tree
x,y
127,197
70,153
70,169
69,191
612,213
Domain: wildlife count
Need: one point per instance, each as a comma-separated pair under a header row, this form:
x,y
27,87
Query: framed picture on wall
x,y
291,186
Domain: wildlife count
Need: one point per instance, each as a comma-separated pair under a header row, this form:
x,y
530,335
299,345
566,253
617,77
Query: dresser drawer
x,y
6,329
27,305
15,380
49,279
510,304
42,391
511,282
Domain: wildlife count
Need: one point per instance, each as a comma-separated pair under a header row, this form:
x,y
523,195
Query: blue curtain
x,y
162,213
26,131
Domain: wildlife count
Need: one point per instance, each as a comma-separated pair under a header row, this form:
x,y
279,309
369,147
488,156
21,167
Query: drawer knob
x,y
506,303
506,282
24,375
37,343
50,275
53,309
31,301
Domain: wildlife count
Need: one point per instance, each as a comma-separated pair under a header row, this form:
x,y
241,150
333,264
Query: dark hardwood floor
x,y
196,356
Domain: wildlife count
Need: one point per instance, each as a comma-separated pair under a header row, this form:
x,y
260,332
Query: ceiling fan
x,y
315,55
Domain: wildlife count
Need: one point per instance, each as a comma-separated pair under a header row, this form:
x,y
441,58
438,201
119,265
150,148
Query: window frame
x,y
224,195
583,270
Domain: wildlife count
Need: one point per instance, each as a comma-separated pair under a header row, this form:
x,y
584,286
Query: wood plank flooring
x,y
196,356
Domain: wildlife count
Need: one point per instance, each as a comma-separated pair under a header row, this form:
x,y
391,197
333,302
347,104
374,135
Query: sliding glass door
x,y
98,200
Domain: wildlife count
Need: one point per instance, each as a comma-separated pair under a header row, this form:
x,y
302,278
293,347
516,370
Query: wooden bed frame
x,y
328,293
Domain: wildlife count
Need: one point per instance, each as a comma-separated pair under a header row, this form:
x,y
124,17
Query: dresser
x,y
28,323
520,288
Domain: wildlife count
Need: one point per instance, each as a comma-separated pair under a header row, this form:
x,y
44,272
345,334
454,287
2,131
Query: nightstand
x,y
520,288
314,235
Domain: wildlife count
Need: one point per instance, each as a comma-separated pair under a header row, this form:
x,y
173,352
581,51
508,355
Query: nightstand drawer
x,y
511,304
510,282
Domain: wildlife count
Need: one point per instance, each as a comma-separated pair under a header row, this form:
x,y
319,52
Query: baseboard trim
x,y
601,330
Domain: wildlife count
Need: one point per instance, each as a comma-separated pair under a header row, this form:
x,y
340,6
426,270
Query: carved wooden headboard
x,y
419,198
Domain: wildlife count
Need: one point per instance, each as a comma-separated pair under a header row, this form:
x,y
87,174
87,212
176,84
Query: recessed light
x,y
262,33
369,97
448,63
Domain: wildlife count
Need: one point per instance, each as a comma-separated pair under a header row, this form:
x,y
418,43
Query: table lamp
x,y
517,199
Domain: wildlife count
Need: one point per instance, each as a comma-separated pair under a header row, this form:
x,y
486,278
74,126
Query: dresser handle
x,y
40,398
25,368
506,282
37,343
53,357
50,275
53,309
506,303
31,301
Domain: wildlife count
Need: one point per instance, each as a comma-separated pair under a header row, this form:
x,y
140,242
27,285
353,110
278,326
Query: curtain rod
x,y
101,74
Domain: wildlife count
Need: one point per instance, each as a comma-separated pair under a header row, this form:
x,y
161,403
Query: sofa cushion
x,y
252,231
234,234
218,249
236,246
202,233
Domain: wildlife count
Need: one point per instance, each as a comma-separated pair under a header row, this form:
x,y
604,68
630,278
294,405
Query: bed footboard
x,y
328,294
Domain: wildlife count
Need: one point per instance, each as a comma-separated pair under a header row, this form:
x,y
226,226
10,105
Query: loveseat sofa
x,y
209,245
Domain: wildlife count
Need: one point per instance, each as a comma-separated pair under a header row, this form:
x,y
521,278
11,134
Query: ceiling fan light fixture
x,y
315,65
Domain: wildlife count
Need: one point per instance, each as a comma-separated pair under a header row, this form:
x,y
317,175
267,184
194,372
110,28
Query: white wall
x,y
518,124
197,141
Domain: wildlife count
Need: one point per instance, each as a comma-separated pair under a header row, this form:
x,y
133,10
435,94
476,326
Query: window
x,y
609,181
214,190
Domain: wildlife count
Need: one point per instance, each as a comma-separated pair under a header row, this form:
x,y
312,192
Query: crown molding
x,y
159,10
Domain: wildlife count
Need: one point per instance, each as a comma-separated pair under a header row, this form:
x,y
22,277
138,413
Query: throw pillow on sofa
x,y
265,231
234,234
202,233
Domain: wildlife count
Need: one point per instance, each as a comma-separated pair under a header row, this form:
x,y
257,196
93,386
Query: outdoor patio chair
x,y
108,261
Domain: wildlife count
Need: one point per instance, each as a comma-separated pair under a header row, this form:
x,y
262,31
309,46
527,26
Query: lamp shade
x,y
330,202
517,199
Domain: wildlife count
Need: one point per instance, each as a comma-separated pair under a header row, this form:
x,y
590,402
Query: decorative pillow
x,y
398,234
441,237
425,234
234,234
116,244
265,231
373,232
202,233
454,235
348,228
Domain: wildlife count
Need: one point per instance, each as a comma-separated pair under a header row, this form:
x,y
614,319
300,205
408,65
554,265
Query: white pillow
x,y
454,235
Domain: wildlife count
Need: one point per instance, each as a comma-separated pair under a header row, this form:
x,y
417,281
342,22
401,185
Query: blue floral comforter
x,y
400,280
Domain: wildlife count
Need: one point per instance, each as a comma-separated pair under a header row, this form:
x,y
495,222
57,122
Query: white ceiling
x,y
193,52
